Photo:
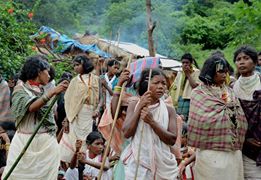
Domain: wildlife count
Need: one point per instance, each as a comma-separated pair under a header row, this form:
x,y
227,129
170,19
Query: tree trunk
x,y
150,28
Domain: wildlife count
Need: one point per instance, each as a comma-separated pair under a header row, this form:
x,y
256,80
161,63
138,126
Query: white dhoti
x,y
79,130
40,161
251,171
218,165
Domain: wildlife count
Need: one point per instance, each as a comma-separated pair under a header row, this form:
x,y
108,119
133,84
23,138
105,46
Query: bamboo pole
x,y
113,126
31,139
142,129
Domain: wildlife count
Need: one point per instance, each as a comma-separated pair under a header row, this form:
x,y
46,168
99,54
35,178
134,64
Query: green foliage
x,y
67,16
225,26
199,27
15,45
196,26
61,66
247,24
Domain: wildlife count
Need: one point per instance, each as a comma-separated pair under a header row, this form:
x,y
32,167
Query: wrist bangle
x,y
117,89
7,146
45,98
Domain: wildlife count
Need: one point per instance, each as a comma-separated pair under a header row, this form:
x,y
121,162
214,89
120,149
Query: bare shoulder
x,y
171,110
18,87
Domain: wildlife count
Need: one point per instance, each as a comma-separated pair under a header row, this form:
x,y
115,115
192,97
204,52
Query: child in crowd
x,y
188,157
109,80
92,159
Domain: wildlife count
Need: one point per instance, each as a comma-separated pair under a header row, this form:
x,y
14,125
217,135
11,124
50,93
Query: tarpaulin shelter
x,y
60,43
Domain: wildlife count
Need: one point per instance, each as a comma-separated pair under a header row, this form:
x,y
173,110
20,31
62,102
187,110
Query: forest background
x,y
195,26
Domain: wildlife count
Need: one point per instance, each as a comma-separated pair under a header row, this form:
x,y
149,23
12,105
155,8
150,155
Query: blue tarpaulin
x,y
65,43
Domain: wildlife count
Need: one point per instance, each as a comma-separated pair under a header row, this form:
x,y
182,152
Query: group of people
x,y
204,124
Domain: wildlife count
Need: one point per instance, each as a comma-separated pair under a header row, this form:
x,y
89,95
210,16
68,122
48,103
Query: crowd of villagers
x,y
203,125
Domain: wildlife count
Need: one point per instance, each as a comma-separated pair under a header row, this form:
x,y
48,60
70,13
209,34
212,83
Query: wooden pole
x,y
142,129
108,50
31,139
113,126
117,43
45,47
150,27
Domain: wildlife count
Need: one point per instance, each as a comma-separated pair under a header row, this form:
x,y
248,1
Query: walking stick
x,y
142,129
31,139
113,125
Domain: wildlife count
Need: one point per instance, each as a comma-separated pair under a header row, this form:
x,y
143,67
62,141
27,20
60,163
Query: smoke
x,y
113,19
131,23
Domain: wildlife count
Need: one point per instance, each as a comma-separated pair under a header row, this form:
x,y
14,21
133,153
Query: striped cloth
x,y
252,111
213,124
183,107
5,111
138,66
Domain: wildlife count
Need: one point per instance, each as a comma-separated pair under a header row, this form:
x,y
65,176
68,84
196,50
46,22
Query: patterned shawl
x,y
23,97
213,123
81,91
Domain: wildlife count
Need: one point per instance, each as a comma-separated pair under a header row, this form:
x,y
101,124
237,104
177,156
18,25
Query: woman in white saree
x,y
81,101
156,160
29,104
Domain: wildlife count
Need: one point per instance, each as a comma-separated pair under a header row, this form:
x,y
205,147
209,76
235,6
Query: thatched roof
x,y
119,50
107,46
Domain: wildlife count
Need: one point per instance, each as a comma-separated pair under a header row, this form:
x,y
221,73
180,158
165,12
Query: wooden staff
x,y
142,129
108,50
103,90
117,39
113,125
31,139
78,163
